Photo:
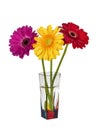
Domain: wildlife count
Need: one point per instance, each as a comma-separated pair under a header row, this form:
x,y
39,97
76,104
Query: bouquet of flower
x,y
47,43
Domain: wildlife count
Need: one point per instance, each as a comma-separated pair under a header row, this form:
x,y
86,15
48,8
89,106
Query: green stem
x,y
65,50
51,87
50,73
44,72
48,96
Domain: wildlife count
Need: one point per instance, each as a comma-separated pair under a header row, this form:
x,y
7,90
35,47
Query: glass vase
x,y
49,95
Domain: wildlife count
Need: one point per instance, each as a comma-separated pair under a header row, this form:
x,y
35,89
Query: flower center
x,y
73,34
48,41
26,41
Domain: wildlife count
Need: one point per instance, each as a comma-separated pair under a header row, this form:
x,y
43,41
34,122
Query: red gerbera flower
x,y
21,41
72,34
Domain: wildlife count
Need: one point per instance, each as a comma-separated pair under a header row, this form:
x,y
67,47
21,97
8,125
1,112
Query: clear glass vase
x,y
49,95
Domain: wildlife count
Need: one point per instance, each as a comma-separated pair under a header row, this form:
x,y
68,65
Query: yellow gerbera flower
x,y
48,43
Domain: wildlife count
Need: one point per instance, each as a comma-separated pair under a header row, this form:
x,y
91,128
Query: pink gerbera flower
x,y
21,41
73,34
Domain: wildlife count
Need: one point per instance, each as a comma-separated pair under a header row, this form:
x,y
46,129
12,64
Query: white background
x,y
19,83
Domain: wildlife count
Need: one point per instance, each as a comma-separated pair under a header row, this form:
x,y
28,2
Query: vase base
x,y
49,114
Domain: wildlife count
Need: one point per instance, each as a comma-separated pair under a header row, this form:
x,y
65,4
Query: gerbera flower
x,y
21,41
74,35
48,43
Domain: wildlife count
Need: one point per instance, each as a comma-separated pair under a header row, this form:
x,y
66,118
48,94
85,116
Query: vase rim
x,y
48,73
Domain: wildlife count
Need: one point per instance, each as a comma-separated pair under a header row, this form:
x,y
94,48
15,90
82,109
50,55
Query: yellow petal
x,y
56,52
59,47
46,55
35,45
42,31
36,39
38,52
56,30
59,36
49,28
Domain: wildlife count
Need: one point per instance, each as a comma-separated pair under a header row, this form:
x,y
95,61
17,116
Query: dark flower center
x,y
26,41
73,34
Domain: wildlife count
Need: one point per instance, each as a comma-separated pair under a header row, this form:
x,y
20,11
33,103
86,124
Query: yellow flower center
x,y
48,41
